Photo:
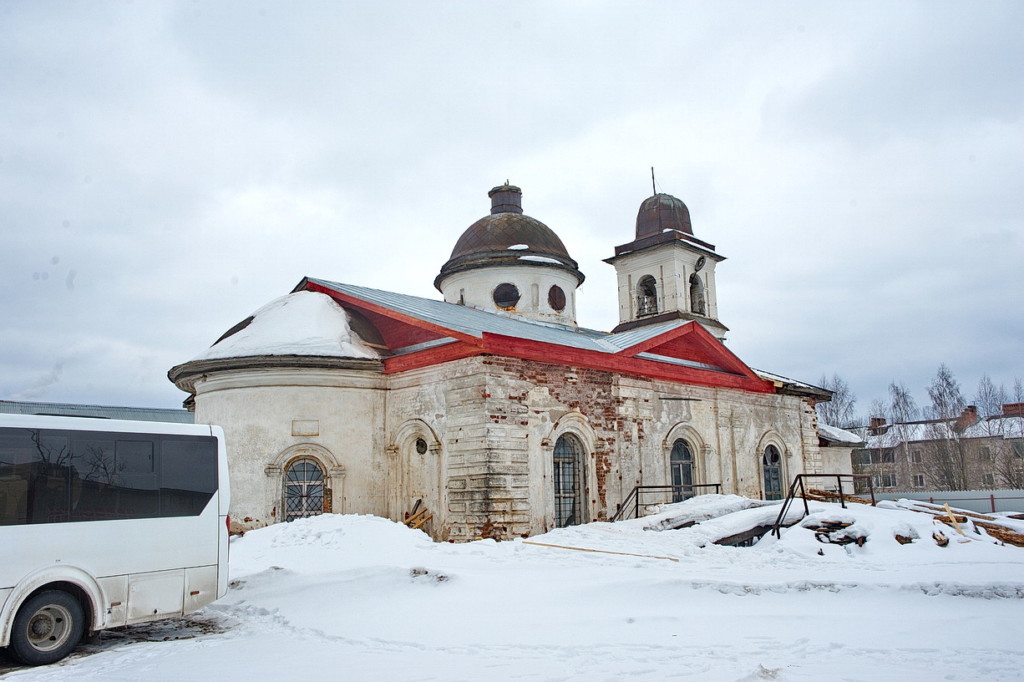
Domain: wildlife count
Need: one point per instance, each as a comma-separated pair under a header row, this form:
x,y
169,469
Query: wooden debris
x,y
1001,533
600,551
956,524
829,496
418,516
940,508
942,513
834,532
903,539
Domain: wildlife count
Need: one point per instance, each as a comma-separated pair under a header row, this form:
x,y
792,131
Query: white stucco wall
x,y
671,266
270,416
489,425
476,288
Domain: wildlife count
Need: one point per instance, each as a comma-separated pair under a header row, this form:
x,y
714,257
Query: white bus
x,y
106,523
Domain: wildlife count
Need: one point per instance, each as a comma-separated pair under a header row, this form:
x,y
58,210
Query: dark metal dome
x,y
662,212
507,237
507,227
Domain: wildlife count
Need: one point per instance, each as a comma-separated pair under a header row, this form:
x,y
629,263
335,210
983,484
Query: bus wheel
x,y
47,628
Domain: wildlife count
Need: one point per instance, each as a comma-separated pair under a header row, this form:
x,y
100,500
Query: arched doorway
x,y
303,489
771,464
681,466
569,483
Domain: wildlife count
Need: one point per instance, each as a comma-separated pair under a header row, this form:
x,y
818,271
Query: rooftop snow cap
x,y
507,237
662,212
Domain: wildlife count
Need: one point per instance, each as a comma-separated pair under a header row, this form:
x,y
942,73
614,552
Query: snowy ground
x,y
362,598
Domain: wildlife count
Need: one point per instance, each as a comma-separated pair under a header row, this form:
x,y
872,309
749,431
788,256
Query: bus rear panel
x,y
128,519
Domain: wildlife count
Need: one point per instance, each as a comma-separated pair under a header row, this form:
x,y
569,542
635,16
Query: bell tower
x,y
666,273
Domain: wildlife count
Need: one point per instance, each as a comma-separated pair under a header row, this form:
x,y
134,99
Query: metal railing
x,y
799,482
678,494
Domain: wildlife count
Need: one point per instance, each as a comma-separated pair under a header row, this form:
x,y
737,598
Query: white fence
x,y
982,501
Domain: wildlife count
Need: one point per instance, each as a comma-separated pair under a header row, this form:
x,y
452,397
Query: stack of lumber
x,y
829,496
951,517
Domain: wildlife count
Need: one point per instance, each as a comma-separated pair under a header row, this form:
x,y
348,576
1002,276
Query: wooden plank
x,y
600,551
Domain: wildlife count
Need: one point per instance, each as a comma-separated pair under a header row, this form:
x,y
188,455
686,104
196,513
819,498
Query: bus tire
x,y
48,627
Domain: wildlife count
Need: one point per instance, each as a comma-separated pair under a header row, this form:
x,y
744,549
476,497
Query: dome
x,y
503,231
662,212
507,237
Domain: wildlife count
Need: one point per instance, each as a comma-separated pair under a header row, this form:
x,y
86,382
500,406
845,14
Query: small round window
x,y
556,298
421,446
506,295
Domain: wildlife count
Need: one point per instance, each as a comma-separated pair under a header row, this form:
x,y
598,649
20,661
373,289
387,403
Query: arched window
x,y
771,464
681,465
303,489
569,483
698,304
646,297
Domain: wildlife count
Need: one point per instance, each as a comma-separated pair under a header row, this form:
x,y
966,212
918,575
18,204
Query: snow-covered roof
x,y
778,378
301,323
994,427
839,436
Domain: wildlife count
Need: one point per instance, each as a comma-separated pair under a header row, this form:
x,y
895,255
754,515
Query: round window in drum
x,y
506,295
556,298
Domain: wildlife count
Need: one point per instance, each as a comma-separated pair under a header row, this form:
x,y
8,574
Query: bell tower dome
x,y
666,273
510,262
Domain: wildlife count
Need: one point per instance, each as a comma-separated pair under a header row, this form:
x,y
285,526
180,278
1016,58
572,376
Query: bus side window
x,y
188,475
113,479
17,453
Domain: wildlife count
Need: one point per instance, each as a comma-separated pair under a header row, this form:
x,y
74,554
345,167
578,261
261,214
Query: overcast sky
x,y
168,168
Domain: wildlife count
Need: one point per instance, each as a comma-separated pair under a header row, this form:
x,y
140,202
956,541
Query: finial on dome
x,y
506,199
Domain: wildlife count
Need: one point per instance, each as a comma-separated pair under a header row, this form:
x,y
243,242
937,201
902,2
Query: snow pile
x,y
302,323
700,508
363,598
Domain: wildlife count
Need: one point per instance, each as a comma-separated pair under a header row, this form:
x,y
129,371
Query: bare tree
x,y
1010,460
838,411
902,408
989,400
946,463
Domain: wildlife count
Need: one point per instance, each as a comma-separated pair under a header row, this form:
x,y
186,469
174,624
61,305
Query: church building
x,y
491,412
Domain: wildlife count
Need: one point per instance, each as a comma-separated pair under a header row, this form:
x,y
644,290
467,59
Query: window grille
x,y
303,489
771,463
681,465
568,475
